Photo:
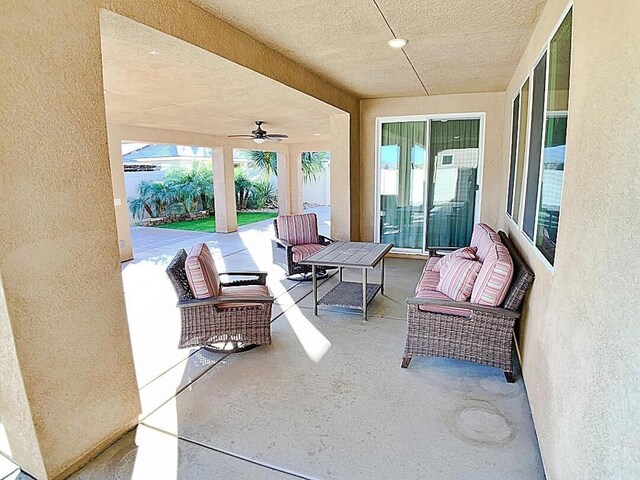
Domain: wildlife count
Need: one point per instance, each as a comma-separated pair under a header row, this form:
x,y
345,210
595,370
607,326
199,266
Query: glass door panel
x,y
401,181
454,152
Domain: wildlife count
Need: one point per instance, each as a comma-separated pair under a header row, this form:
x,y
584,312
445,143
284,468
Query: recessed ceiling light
x,y
456,137
317,134
154,52
397,42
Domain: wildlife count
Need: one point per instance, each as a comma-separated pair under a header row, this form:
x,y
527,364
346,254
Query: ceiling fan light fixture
x,y
397,42
258,140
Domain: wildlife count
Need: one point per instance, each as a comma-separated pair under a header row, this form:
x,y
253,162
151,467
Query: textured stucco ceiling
x,y
456,46
188,89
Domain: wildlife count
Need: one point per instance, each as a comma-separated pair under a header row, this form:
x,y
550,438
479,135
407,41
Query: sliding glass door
x,y
427,182
401,177
453,175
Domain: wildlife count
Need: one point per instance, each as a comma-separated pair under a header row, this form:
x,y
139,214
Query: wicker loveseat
x,y
219,315
440,327
297,238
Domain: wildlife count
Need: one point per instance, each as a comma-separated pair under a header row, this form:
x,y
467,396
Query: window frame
x,y
518,225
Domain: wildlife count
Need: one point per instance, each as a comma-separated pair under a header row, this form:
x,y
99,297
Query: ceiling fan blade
x,y
277,135
240,136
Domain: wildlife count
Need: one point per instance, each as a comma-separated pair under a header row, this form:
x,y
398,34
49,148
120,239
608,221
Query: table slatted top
x,y
350,254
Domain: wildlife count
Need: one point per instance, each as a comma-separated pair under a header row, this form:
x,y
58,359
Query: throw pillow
x,y
458,277
464,252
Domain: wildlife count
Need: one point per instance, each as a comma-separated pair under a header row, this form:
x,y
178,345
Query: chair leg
x,y
511,378
405,362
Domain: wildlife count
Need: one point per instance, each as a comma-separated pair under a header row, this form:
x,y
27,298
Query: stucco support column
x,y
224,189
340,177
114,133
295,178
287,186
67,382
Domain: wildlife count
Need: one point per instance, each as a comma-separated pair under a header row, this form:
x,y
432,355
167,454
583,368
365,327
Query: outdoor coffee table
x,y
365,256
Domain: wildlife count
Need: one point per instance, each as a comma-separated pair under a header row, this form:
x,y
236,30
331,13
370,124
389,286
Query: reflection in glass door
x,y
428,166
401,179
453,173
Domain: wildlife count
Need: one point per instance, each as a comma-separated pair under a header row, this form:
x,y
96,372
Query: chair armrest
x,y
433,252
281,243
324,240
201,302
260,278
466,305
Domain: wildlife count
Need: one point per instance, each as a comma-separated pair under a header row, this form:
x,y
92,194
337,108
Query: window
x,y
547,141
555,140
514,152
522,148
535,147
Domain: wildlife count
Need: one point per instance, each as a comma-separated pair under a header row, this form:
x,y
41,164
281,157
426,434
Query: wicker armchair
x,y
296,238
239,318
486,336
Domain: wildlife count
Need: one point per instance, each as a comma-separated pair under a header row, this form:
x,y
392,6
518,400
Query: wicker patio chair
x,y
486,336
237,319
297,237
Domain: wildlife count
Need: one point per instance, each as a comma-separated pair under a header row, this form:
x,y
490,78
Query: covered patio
x,y
326,400
516,119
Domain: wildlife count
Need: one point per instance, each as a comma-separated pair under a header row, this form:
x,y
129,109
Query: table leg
x,y
364,293
314,275
382,278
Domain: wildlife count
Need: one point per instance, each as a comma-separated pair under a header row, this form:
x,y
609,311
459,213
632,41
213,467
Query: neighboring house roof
x,y
167,151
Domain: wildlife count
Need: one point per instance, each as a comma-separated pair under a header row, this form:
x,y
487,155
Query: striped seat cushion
x,y
434,294
429,280
483,238
300,252
431,262
427,289
243,291
464,252
201,272
458,277
298,229
494,278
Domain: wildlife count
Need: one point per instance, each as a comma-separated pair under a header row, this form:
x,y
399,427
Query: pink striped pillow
x,y
465,252
301,229
202,275
458,277
494,278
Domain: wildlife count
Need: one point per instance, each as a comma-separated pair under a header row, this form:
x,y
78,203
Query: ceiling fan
x,y
260,136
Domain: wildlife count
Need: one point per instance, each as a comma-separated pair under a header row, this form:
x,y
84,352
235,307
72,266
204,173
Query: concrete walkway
x,y
327,399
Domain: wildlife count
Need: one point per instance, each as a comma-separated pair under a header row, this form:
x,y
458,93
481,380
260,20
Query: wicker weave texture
x,y
481,338
206,324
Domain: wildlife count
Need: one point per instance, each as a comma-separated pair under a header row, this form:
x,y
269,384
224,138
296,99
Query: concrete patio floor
x,y
327,399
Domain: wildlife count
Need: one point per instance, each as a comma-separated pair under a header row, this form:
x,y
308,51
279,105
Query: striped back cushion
x,y
465,252
458,278
299,229
201,272
483,239
494,278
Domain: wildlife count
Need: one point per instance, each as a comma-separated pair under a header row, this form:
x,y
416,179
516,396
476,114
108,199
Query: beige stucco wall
x,y
491,104
59,260
579,337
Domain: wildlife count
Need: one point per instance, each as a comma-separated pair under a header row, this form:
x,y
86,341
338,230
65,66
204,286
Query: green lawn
x,y
209,224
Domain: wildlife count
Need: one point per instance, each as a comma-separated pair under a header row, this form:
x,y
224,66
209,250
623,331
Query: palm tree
x,y
159,194
266,162
192,186
313,163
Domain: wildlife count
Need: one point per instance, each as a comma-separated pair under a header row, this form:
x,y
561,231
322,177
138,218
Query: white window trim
x,y
427,118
